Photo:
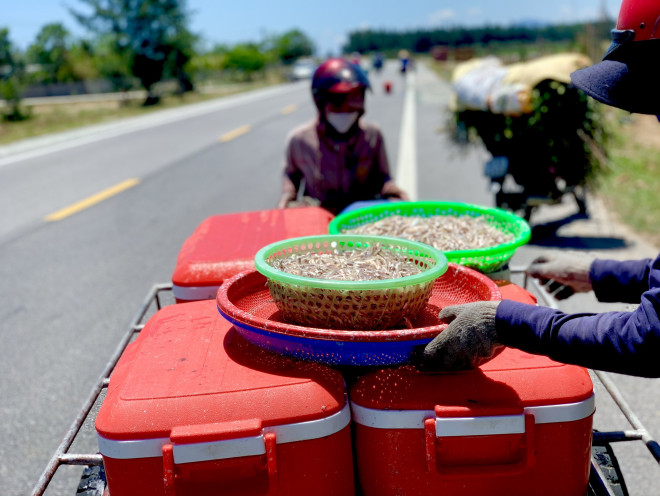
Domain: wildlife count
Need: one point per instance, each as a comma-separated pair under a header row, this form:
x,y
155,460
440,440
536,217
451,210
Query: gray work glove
x,y
468,341
563,274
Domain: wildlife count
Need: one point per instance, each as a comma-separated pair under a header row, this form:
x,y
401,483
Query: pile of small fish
x,y
365,264
443,232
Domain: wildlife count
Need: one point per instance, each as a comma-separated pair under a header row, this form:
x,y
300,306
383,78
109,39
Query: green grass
x,y
46,119
631,186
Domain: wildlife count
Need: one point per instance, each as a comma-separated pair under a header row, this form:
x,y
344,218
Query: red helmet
x,y
639,20
641,17
337,76
627,76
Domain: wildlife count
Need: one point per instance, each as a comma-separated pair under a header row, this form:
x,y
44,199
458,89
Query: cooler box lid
x,y
224,245
189,377
510,384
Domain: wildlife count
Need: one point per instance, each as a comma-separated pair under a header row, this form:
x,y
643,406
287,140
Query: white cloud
x,y
442,16
567,13
475,12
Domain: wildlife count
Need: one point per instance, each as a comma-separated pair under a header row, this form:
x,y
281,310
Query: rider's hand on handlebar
x,y
563,273
285,199
391,190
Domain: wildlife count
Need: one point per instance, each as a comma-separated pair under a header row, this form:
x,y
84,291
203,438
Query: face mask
x,y
342,121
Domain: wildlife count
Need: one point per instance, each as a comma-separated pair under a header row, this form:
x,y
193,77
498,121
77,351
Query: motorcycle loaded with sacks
x,y
545,137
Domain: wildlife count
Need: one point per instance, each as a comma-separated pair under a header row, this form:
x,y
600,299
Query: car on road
x,y
303,69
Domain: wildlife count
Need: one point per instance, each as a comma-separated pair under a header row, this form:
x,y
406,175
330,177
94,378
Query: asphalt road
x,y
71,279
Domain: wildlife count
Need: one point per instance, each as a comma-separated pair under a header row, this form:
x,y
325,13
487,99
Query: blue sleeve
x,y
616,281
622,342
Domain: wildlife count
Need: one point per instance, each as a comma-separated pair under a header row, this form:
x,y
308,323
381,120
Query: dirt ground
x,y
645,130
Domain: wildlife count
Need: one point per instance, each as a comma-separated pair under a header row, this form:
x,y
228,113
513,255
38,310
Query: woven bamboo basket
x,y
354,305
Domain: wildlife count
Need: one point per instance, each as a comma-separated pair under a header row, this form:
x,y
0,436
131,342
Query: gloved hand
x,y
469,340
563,274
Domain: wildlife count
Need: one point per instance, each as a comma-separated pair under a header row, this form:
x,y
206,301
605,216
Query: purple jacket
x,y
623,342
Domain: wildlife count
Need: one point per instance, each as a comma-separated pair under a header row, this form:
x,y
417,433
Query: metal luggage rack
x,y
152,302
605,479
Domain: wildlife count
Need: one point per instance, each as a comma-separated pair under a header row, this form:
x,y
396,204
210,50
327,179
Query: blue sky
x,y
325,22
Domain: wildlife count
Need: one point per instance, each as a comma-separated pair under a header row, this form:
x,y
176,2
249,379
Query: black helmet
x,y
337,76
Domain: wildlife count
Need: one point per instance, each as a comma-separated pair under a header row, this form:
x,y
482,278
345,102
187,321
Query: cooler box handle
x,y
244,438
202,443
446,439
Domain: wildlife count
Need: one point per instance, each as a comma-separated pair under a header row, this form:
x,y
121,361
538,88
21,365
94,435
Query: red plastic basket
x,y
245,301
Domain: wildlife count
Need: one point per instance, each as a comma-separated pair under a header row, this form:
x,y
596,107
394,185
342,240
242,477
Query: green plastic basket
x,y
485,260
335,304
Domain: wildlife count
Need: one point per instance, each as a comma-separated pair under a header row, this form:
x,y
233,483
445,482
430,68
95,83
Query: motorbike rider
x,y
378,61
404,59
338,158
622,342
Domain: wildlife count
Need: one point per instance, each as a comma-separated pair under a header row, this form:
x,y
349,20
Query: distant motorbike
x,y
545,137
541,156
404,60
377,63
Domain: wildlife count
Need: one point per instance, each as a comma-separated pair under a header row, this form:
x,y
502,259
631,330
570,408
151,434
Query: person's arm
x,y
292,175
616,281
289,192
564,273
622,342
390,188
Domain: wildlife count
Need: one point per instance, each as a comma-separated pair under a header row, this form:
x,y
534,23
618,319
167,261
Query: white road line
x,y
406,169
44,145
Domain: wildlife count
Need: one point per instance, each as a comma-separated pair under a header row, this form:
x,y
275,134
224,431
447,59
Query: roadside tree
x,y
112,64
151,35
12,79
292,45
82,60
50,54
245,60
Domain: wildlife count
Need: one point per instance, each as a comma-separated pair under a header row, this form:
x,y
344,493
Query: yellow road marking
x,y
235,133
289,109
92,200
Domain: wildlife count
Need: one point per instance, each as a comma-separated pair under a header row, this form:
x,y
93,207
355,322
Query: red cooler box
x,y
224,245
193,409
520,425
